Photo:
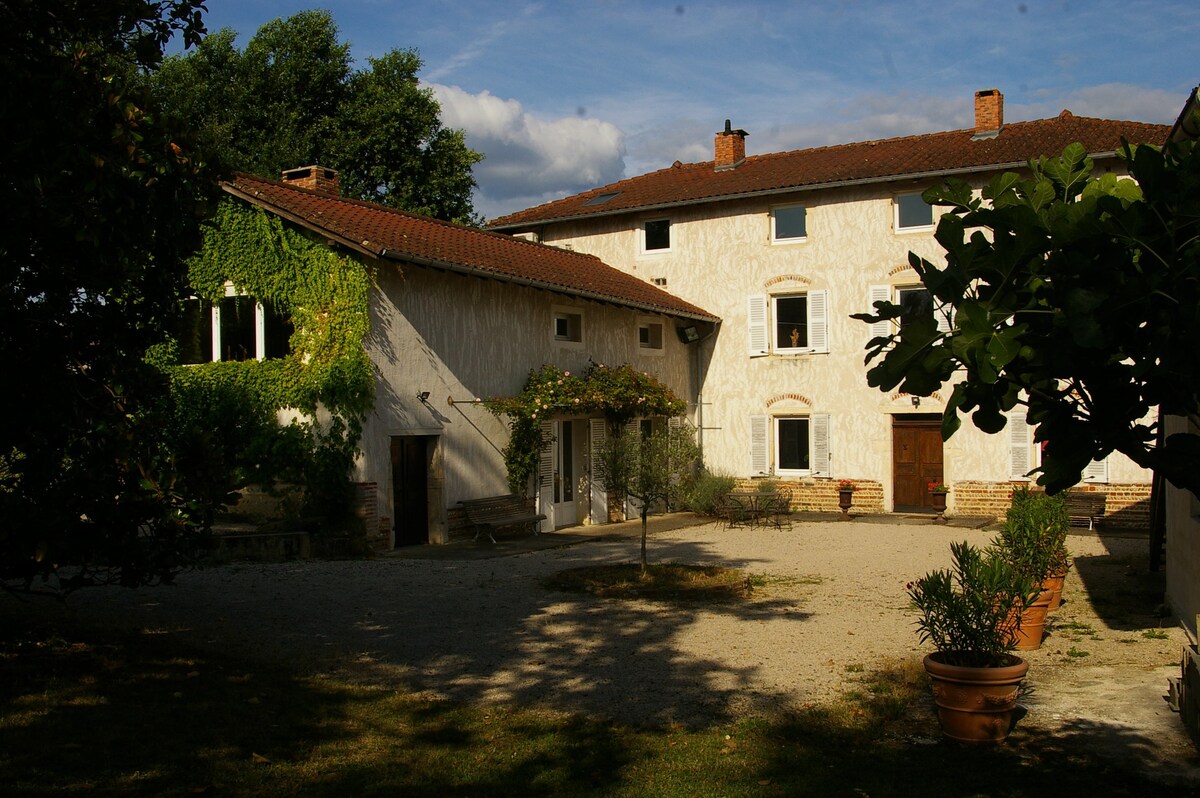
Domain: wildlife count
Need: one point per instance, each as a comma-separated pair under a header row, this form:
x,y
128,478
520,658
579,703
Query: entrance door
x,y
563,454
410,490
916,461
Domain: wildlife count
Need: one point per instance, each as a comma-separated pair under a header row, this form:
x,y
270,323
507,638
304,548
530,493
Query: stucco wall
x,y
464,337
1183,547
722,254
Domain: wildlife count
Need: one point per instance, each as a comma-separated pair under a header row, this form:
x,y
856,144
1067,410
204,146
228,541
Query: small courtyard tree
x,y
1072,295
651,469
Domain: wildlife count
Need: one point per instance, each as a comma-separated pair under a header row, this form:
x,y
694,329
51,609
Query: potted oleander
x,y
967,613
1033,541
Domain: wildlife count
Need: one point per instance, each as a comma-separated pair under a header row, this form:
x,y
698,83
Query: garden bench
x,y
1084,507
495,512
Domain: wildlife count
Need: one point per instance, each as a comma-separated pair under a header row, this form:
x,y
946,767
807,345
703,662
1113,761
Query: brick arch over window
x,y
786,397
786,278
903,267
901,395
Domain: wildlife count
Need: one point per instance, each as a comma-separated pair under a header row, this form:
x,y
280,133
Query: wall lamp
x,y
916,401
423,396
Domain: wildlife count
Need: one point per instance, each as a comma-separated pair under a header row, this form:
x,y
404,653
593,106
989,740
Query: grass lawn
x,y
86,714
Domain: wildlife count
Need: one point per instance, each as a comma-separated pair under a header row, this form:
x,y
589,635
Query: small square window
x,y
789,223
650,335
791,322
656,235
568,327
913,212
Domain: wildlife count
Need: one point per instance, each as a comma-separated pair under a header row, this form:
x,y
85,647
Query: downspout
x,y
697,390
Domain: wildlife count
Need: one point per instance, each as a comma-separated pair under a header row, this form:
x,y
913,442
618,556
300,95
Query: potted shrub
x,y
846,490
966,612
1033,543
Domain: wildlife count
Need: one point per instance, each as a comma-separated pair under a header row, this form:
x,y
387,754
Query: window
x,y
789,324
1025,454
797,445
914,302
568,326
912,212
650,335
236,327
788,223
656,235
912,299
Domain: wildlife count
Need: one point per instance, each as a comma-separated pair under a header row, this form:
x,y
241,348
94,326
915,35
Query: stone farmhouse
x,y
784,247
458,313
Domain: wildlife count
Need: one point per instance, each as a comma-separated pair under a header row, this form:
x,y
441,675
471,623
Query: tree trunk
x,y
644,513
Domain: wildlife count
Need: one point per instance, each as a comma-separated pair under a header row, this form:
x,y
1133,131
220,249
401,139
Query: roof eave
x,y
782,190
594,296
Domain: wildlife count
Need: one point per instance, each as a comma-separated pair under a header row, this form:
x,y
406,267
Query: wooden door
x,y
916,461
410,490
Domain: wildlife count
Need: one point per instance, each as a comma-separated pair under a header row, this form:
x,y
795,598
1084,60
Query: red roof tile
x,y
406,237
869,161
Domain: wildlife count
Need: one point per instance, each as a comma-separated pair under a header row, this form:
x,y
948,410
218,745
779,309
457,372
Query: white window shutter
x,y
757,322
760,427
1096,471
1019,445
545,478
818,321
599,433
819,424
880,293
943,313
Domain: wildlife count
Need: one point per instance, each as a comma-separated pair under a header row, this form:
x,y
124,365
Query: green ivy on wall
x,y
618,393
235,403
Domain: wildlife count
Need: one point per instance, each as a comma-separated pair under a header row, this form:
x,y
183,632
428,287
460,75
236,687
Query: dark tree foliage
x,y
292,98
1073,296
101,203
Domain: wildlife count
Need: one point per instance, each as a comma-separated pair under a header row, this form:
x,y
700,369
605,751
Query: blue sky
x,y
561,96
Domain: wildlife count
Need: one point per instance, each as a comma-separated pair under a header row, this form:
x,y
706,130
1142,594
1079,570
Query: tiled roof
x,y
406,237
869,161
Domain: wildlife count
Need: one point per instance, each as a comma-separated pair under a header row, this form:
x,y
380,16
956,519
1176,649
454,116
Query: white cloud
x,y
529,159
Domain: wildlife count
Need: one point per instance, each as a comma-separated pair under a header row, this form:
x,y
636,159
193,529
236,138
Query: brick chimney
x,y
989,112
314,178
729,149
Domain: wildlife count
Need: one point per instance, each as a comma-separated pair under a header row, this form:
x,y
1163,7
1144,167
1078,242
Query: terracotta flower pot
x,y
1033,623
1055,585
976,705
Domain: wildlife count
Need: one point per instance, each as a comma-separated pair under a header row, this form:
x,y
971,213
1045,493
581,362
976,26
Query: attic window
x,y
600,199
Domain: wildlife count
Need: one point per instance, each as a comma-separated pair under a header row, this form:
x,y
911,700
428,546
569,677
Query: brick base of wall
x,y
1125,505
821,496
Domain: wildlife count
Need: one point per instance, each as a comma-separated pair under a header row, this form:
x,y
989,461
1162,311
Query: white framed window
x,y
912,298
236,327
650,336
912,212
790,445
656,236
789,324
1025,454
567,326
789,224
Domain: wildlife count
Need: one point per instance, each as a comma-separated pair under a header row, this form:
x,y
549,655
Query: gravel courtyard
x,y
832,605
